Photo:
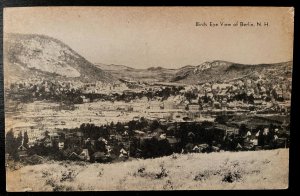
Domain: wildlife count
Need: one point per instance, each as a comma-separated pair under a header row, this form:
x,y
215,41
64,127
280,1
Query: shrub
x,y
58,187
168,185
68,175
45,173
232,176
163,173
141,172
174,156
232,172
153,175
202,175
100,173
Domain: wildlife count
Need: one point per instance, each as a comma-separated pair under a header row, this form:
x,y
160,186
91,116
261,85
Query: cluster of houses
x,y
254,94
75,145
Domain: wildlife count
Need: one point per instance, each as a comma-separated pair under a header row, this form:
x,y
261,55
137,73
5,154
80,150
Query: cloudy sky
x,y
161,36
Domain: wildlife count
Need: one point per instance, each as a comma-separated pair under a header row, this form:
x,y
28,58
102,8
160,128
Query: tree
x,y
268,99
46,133
187,107
11,146
243,130
10,142
222,119
26,140
112,124
19,139
154,125
119,127
143,122
190,95
251,99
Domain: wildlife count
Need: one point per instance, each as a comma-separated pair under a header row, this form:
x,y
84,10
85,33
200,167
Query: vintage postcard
x,y
147,98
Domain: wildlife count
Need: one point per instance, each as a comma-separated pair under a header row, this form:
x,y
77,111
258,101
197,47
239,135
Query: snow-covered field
x,y
225,170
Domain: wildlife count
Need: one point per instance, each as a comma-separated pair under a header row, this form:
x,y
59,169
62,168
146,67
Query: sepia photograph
x,y
147,98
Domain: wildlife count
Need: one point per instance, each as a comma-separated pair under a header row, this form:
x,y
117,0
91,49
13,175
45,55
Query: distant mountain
x,y
155,68
112,67
40,56
215,71
152,74
210,71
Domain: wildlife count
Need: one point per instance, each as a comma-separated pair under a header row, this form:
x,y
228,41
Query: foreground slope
x,y
39,56
225,170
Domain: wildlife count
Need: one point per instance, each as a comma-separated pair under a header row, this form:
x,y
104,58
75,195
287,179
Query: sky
x,y
143,37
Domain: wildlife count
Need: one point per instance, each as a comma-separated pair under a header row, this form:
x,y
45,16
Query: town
x,y
134,119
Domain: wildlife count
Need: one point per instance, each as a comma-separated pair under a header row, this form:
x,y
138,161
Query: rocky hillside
x,y
27,55
225,71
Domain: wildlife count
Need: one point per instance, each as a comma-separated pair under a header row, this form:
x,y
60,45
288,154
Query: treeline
x,y
163,93
51,91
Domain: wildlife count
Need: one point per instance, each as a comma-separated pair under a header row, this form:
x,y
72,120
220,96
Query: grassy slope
x,y
250,170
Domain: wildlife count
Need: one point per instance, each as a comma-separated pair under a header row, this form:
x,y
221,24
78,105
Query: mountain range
x,y
40,56
213,71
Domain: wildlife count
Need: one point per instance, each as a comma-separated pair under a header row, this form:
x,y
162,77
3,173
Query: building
x,y
173,141
22,151
61,145
194,107
54,136
84,155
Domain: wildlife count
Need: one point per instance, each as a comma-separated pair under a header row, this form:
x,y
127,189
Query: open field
x,y
225,170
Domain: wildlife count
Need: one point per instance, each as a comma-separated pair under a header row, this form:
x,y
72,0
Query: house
x,y
123,153
79,134
169,105
22,151
84,99
100,157
141,133
217,105
178,116
125,133
84,155
47,142
226,130
61,145
163,136
254,142
136,118
54,136
74,156
258,102
173,141
103,140
181,106
194,107
196,149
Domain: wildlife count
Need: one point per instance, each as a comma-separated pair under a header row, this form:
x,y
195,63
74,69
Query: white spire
x,y
22,137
